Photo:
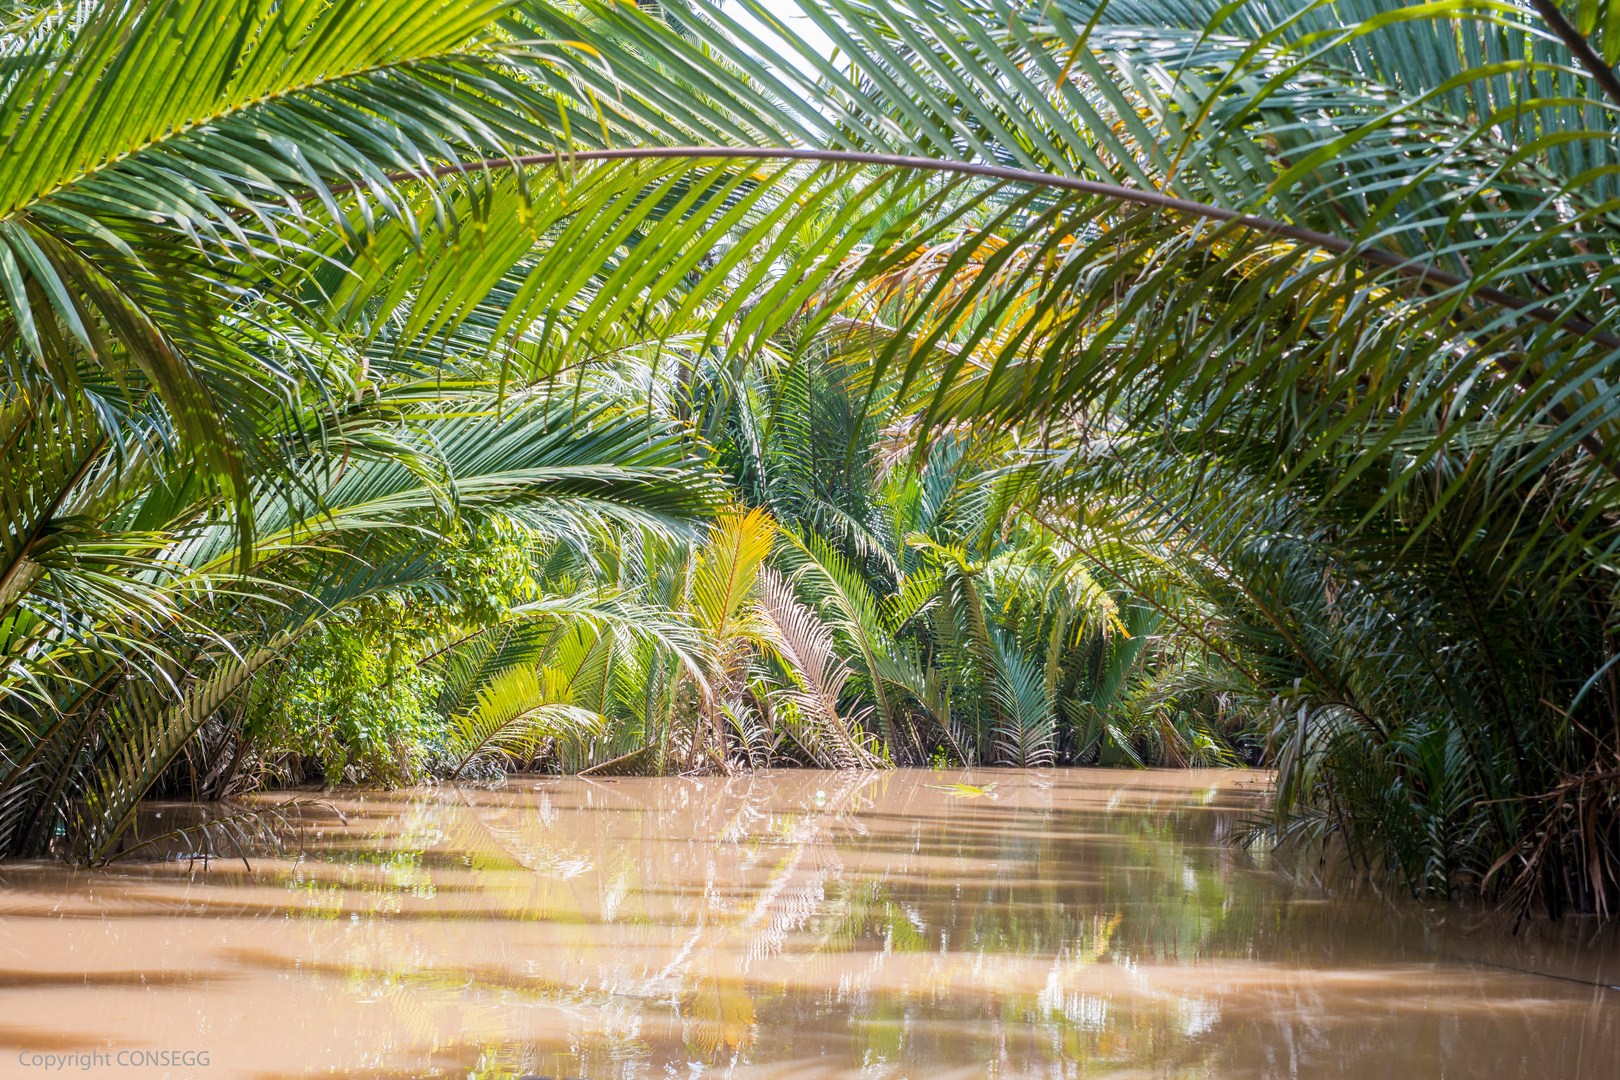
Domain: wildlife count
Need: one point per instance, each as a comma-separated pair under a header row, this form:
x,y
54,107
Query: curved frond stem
x,y
1406,267
1577,44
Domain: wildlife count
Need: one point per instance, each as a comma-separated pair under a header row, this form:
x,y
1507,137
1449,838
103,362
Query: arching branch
x,y
1113,192
1408,268
1576,42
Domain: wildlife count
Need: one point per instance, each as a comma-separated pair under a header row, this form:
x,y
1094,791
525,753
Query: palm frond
x,y
513,716
806,644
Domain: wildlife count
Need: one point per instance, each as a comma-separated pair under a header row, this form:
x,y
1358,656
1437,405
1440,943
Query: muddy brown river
x,y
792,925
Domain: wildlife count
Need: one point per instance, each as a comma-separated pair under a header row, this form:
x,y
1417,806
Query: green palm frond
x,y
155,714
727,572
806,645
513,716
550,461
1026,729
852,609
142,136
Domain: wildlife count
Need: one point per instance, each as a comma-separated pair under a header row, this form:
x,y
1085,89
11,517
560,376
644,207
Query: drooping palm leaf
x,y
807,646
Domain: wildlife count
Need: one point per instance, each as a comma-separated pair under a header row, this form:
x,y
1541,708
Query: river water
x,y
799,925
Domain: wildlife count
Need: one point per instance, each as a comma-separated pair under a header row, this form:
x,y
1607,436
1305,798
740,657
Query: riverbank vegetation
x,y
423,388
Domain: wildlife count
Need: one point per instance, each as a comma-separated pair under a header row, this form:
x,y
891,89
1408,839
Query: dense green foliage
x,y
341,443
847,620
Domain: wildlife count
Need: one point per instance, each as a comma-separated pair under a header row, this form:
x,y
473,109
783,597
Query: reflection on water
x,y
788,925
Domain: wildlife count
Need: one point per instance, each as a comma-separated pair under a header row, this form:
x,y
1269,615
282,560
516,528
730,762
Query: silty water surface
x,y
909,924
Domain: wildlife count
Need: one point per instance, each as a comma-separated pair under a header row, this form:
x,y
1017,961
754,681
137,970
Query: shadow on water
x,y
789,925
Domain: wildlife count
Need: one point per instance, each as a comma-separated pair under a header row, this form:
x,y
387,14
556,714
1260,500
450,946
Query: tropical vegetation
x,y
398,389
